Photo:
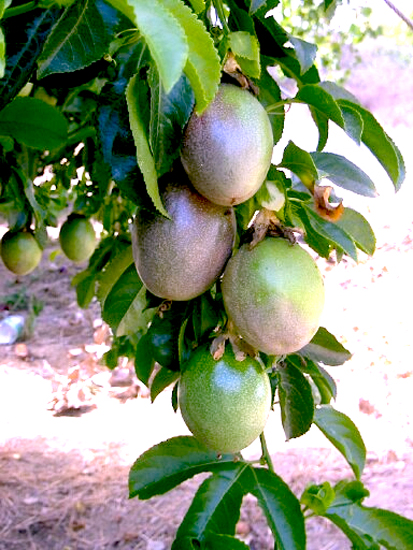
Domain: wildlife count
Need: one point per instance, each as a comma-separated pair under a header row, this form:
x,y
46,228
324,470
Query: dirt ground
x,y
70,430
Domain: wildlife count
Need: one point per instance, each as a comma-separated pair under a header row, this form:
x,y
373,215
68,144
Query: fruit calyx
x,y
267,224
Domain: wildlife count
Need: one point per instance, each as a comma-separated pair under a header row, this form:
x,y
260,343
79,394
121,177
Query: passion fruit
x,y
224,403
181,257
274,295
20,252
77,238
227,150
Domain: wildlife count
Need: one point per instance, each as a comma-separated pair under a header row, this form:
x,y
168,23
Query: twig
x,y
396,10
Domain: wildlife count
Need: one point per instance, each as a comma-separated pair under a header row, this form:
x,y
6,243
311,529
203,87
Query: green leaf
x,y
24,42
215,507
136,318
379,143
203,67
169,115
162,27
224,542
270,96
170,463
333,232
281,508
85,290
353,123
305,51
324,382
121,260
122,298
245,46
318,497
359,229
198,5
371,527
344,173
257,5
344,435
162,379
34,123
140,136
315,96
300,163
144,362
296,400
325,348
80,37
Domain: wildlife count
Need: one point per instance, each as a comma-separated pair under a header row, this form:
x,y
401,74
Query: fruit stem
x,y
221,14
266,457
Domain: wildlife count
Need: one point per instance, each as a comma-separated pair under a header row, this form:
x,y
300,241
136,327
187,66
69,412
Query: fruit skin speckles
x,y
227,150
224,403
20,252
181,257
274,295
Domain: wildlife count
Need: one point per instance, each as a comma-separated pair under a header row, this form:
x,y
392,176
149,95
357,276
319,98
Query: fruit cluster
x,y
273,292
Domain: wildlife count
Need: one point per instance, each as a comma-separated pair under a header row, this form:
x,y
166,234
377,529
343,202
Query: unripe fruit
x,y
180,258
224,403
77,238
20,252
274,295
227,150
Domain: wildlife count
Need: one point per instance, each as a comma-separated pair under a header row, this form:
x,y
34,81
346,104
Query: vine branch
x,y
402,16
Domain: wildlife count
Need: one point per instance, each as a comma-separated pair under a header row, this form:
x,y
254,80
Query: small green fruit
x,y
224,403
227,150
274,295
20,252
181,257
77,239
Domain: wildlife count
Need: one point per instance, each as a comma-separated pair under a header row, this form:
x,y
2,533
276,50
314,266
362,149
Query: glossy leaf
x,y
198,5
224,542
163,32
136,317
245,46
163,378
134,92
280,507
296,400
305,51
144,362
325,348
121,298
203,66
353,123
170,463
344,173
121,260
322,101
115,138
300,163
333,232
379,143
344,435
323,381
257,5
215,507
80,37
24,44
370,528
169,115
34,123
359,229
269,95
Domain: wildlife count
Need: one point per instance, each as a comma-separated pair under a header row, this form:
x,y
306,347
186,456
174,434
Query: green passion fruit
x,y
225,403
20,252
181,257
274,295
77,238
227,150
